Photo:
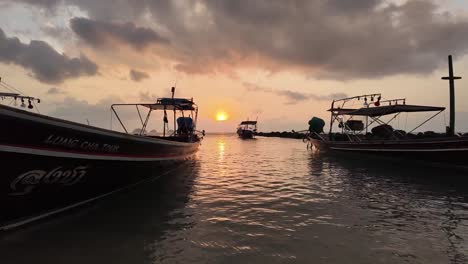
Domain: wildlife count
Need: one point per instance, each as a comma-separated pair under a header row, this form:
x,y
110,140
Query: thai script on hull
x,y
28,181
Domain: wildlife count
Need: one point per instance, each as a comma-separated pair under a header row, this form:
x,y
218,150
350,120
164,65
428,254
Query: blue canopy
x,y
185,122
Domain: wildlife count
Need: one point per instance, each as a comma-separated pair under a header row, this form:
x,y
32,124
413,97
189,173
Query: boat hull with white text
x,y
50,164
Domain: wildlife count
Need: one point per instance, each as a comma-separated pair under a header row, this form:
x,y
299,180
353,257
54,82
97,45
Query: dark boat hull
x,y
245,134
444,151
51,164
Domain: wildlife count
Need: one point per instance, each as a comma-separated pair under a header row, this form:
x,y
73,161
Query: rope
x,y
10,87
110,119
406,121
35,107
398,124
445,119
6,87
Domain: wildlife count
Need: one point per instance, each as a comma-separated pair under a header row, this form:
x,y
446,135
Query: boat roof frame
x,y
182,104
248,123
395,106
164,104
386,110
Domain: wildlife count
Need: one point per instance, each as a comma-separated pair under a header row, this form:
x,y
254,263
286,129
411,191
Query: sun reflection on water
x,y
221,145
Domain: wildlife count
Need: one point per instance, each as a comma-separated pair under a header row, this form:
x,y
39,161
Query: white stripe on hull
x,y
401,150
60,154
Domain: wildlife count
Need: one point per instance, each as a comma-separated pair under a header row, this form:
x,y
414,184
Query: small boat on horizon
x,y
247,129
378,138
51,165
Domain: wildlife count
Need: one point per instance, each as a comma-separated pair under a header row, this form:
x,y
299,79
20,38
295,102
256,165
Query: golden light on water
x,y
221,144
221,116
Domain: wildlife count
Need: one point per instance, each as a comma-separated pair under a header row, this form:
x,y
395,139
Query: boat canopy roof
x,y
248,123
8,94
172,104
385,110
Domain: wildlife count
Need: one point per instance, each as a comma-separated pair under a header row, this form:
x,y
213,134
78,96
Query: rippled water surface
x,y
267,200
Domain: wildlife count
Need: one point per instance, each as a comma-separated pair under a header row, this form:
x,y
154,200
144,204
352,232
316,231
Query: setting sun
x,y
221,116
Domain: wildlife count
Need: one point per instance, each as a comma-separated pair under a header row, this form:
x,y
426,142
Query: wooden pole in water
x,y
451,78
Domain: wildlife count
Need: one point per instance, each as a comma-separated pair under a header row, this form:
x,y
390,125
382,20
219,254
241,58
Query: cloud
x,y
138,76
293,96
341,40
98,114
325,39
45,63
56,32
55,90
81,111
146,97
99,33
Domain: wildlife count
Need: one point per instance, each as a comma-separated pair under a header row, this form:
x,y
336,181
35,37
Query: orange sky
x,y
283,91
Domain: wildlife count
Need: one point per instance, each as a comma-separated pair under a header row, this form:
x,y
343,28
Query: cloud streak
x,y
45,63
99,33
55,90
138,76
293,97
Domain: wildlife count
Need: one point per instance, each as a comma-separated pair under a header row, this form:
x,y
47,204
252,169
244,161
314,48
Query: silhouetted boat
x,y
50,165
447,149
247,129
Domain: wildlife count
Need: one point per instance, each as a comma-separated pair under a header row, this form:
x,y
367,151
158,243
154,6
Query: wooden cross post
x,y
451,79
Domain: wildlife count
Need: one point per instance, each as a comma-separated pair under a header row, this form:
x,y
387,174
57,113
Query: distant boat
x,y
247,129
50,165
382,139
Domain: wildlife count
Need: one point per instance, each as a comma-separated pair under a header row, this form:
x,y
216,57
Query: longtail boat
x,y
247,129
363,130
51,165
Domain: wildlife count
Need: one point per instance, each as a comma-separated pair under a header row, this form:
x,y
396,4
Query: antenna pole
x,y
173,102
451,78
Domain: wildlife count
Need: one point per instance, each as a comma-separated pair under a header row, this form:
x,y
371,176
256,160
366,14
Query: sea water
x,y
267,200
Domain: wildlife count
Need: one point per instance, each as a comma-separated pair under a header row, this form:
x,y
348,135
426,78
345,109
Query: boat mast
x,y
332,119
173,92
451,78
164,122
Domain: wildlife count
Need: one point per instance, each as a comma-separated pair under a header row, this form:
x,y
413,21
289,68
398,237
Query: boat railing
x,y
358,97
15,94
394,101
343,113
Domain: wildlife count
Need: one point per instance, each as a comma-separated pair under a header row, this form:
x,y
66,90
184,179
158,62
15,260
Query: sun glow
x,y
221,116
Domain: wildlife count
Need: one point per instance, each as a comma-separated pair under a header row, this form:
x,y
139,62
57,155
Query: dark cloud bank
x,y
98,33
333,38
45,63
325,38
